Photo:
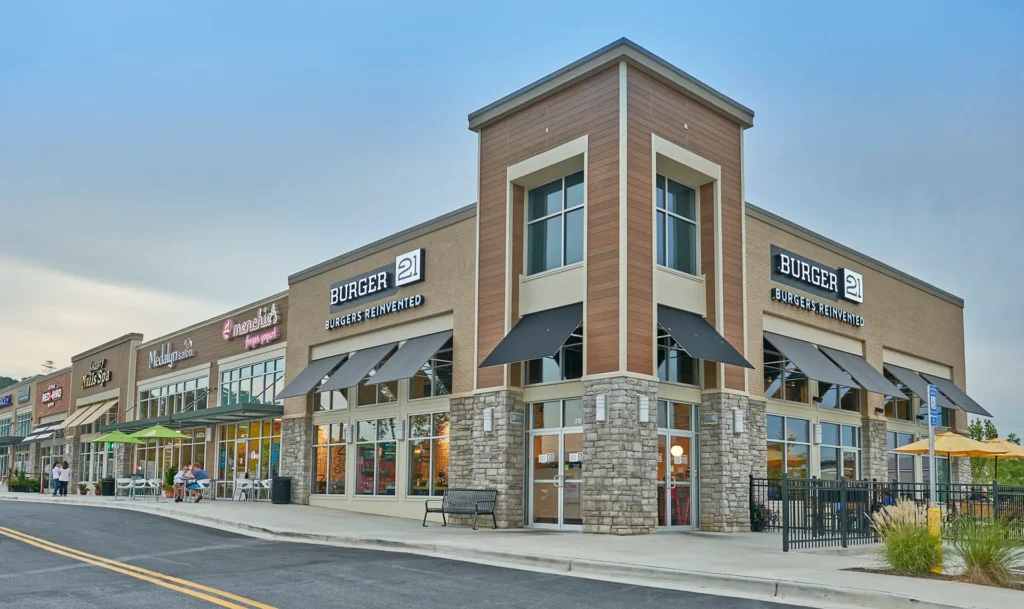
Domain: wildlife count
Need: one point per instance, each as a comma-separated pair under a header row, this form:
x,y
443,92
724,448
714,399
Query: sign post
x,y
934,515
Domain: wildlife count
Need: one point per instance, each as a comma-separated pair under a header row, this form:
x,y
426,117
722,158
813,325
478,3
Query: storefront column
x,y
494,459
960,471
874,458
620,466
122,461
74,457
728,459
33,459
297,455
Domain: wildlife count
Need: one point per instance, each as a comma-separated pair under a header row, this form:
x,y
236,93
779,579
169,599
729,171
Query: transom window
x,y
782,379
564,365
384,393
554,230
24,424
675,415
258,383
674,364
557,413
899,408
838,396
5,427
676,225
839,452
376,457
435,377
901,467
428,453
173,398
789,447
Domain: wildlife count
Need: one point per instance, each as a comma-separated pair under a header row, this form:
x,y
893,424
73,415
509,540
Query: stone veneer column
x,y
33,459
74,457
297,455
495,459
727,460
122,460
874,461
960,471
620,458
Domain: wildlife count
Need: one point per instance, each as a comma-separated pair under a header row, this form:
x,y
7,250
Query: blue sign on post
x,y
933,405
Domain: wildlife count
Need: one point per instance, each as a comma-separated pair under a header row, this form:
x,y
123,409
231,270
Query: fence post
x,y
784,484
995,499
843,511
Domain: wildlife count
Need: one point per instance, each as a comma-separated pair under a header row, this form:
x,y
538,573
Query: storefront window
x,y
674,364
376,452
782,379
256,384
435,377
185,396
839,452
153,459
428,453
789,445
369,394
675,415
554,231
329,460
677,226
23,424
837,396
901,467
97,462
557,413
5,427
331,400
252,449
899,408
566,364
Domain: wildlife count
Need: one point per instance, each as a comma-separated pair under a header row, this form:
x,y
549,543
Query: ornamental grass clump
x,y
990,551
907,547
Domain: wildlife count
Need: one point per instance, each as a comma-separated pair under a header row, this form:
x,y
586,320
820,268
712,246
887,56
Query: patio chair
x,y
243,489
139,487
155,486
264,486
122,486
205,491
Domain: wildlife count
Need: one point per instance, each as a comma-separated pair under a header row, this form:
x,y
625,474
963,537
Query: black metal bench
x,y
463,502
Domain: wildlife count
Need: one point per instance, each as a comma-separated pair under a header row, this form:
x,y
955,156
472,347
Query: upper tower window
x,y
676,225
554,232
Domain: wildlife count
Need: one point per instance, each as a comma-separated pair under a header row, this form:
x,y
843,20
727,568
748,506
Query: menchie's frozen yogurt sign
x,y
258,331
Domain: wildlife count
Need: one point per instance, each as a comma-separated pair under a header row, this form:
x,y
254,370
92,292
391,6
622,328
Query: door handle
x,y
558,480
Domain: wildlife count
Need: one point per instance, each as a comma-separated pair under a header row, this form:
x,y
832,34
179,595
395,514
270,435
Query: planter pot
x,y
169,493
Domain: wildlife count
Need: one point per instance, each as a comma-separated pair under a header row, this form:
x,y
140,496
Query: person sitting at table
x,y
197,475
180,479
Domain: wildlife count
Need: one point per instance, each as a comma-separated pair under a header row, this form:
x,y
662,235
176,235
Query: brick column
x,y
297,456
620,458
874,459
494,459
728,459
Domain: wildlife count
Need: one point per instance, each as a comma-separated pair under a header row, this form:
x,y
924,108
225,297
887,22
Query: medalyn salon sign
x,y
167,356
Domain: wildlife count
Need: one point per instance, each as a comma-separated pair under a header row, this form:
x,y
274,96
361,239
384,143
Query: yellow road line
x,y
166,581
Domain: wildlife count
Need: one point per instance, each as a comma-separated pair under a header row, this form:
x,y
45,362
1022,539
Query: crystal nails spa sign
x,y
354,292
260,330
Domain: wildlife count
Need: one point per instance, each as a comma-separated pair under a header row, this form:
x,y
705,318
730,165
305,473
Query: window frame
x,y
560,358
376,443
662,333
563,212
893,440
155,401
432,365
786,442
894,403
376,388
819,402
330,445
768,347
842,448
5,427
236,378
661,249
434,439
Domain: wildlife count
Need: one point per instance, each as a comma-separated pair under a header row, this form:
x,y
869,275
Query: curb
x,y
731,585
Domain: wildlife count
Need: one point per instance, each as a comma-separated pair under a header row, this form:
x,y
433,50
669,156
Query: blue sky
x,y
161,164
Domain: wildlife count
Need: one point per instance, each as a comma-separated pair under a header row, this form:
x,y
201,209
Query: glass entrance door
x,y
677,466
556,465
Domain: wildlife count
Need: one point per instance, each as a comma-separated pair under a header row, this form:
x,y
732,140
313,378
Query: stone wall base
x,y
728,459
297,456
874,458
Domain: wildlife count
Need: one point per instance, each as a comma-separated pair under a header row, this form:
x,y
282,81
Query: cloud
x,y
51,315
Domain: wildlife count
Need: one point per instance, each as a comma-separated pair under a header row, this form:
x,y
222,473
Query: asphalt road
x,y
274,575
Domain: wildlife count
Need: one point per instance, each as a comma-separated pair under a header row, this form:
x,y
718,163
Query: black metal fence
x,y
814,513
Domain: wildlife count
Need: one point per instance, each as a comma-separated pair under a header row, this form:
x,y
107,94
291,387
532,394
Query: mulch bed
x,y
942,576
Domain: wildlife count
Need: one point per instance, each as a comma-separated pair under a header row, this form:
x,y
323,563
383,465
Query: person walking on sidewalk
x,y
55,477
65,477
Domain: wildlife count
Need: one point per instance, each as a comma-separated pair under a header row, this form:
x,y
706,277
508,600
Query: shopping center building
x,y
16,410
611,337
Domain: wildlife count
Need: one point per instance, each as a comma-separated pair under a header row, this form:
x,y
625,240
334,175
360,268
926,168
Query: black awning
x,y
917,384
956,395
313,374
357,367
138,425
234,413
810,361
410,357
10,440
862,372
536,335
696,336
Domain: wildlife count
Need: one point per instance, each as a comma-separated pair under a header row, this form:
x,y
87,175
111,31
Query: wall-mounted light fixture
x,y
817,433
489,419
738,426
643,408
600,408
879,410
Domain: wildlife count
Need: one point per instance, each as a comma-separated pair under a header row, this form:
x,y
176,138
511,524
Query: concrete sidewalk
x,y
748,565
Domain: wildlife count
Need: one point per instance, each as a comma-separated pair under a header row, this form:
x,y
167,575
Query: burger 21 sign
x,y
815,278
379,283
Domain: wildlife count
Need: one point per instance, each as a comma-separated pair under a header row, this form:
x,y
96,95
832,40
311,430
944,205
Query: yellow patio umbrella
x,y
953,445
1013,451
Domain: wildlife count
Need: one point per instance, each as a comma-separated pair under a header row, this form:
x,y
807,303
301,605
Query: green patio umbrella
x,y
118,437
159,432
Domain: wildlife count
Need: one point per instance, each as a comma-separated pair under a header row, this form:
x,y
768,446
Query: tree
x,y
1011,471
6,381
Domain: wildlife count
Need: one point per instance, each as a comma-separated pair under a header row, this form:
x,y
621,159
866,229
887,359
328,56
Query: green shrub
x,y
989,550
907,547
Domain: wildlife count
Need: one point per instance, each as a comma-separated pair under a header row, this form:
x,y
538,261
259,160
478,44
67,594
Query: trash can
x,y
107,487
280,490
